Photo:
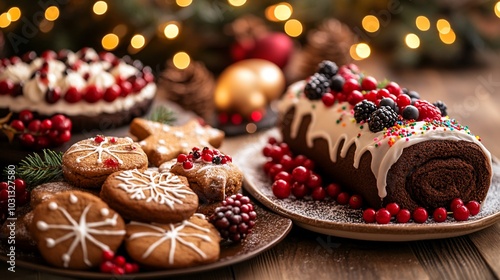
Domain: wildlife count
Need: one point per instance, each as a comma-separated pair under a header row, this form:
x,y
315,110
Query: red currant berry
x,y
350,85
318,193
182,158
369,215
187,164
455,203
440,215
281,189
112,93
118,270
93,94
207,157
18,125
25,116
27,139
403,216
300,174
4,186
299,190
343,198
34,125
333,190
99,139
420,215
129,268
60,122
126,88
328,99
355,97
46,125
314,181
403,100
283,175
381,93
119,261
393,88
63,137
138,84
382,216
356,201
474,207
20,186
369,83
461,213
72,95
393,208
108,255
371,95
107,267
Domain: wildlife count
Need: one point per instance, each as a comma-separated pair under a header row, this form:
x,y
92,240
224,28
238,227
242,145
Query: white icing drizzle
x,y
81,231
162,188
104,212
73,199
173,234
99,148
336,124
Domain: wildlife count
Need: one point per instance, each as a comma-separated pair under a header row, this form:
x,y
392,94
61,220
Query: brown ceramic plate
x,y
327,217
269,230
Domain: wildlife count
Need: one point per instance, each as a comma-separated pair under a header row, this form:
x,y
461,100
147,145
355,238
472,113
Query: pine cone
x,y
330,41
192,88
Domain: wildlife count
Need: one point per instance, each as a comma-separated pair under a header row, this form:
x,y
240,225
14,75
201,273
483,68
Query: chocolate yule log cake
x,y
383,142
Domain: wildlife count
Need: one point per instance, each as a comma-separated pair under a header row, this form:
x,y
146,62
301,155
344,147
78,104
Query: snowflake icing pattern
x,y
99,149
163,188
75,231
173,234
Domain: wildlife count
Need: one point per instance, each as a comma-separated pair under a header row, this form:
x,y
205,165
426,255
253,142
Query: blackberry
x,y
316,86
328,68
363,110
337,83
441,106
235,218
383,117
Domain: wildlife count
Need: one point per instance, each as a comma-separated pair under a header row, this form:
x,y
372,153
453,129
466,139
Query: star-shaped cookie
x,y
163,142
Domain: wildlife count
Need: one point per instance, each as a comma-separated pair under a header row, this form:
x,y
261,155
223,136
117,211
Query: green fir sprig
x,y
36,169
163,115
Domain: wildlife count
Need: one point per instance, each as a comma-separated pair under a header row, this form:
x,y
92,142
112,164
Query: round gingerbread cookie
x,y
48,190
89,162
191,242
149,196
72,229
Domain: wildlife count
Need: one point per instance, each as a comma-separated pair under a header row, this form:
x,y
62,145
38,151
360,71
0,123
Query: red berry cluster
x,y
206,155
295,175
235,218
392,212
40,134
21,195
117,264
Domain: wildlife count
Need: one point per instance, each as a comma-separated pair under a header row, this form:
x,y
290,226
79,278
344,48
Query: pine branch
x,y
163,114
36,170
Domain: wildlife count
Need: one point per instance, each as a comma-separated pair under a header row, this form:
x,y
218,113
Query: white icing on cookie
x,y
104,147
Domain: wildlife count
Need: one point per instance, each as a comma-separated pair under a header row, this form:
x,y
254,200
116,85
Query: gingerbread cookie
x,y
72,229
211,174
89,162
48,190
163,142
150,196
191,242
21,227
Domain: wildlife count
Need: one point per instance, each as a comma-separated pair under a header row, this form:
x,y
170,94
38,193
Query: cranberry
x,y
34,125
63,137
93,94
369,83
328,99
266,151
207,157
129,268
299,160
285,149
126,88
276,153
138,84
461,213
403,100
275,169
107,267
455,203
119,261
343,198
371,95
46,125
420,215
20,186
382,216
299,190
281,189
355,97
350,85
25,116
313,181
6,87
4,195
283,175
112,93
333,190
356,201
318,193
18,125
4,186
187,164
440,215
27,139
182,158
300,174
369,215
272,141
403,216
118,270
60,122
381,93
42,142
474,207
108,255
72,95
287,162
308,164
267,166
53,95
393,88
393,208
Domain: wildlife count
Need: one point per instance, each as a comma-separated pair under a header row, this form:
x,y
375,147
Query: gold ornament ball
x,y
248,85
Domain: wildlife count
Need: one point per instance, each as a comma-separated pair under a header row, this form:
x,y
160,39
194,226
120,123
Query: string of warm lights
x,y
280,12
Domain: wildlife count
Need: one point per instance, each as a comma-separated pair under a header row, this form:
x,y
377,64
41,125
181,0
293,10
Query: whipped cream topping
x,y
337,123
100,73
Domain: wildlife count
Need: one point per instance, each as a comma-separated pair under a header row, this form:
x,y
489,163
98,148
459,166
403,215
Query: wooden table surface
x,y
473,97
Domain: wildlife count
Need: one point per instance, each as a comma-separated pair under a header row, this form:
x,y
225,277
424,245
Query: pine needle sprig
x,y
163,115
36,170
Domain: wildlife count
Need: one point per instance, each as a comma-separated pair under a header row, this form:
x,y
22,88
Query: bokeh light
x,y
412,41
137,41
52,13
46,26
497,9
422,23
15,13
370,23
171,30
100,7
293,28
5,20
110,41
283,11
181,60
236,3
443,26
448,38
360,51
183,3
